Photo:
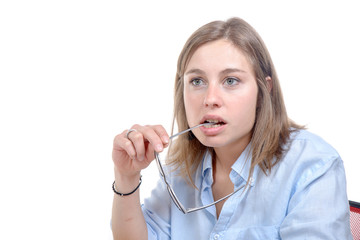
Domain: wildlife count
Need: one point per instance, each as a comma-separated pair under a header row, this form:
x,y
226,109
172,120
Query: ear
x,y
269,83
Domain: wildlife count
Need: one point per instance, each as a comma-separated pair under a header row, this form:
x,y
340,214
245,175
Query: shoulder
x,y
308,156
304,141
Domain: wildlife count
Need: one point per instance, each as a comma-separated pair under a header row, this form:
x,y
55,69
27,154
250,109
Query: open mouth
x,y
214,123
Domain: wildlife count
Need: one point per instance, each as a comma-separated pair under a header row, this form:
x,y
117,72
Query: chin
x,y
211,143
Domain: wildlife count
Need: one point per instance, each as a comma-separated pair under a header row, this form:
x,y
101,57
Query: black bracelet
x,y
126,194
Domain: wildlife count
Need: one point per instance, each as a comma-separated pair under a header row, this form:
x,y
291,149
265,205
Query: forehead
x,y
218,55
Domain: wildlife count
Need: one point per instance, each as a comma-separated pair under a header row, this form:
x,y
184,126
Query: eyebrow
x,y
194,70
225,71
231,70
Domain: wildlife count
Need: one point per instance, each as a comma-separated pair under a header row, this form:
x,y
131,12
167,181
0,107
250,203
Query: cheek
x,y
252,101
252,106
246,107
189,104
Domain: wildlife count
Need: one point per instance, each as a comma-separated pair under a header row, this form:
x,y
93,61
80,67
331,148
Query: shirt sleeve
x,y
318,208
156,210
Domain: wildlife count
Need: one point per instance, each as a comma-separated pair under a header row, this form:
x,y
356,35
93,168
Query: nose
x,y
213,97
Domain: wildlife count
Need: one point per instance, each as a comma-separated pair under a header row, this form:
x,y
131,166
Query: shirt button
x,y
216,236
251,180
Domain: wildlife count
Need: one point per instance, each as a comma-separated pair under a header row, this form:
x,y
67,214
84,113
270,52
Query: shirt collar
x,y
206,171
240,169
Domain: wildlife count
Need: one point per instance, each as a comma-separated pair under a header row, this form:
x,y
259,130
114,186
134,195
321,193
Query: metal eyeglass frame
x,y
170,189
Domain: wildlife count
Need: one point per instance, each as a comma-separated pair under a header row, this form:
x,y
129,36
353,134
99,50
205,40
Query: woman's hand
x,y
134,151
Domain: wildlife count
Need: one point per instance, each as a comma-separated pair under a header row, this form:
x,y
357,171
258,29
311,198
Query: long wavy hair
x,y
272,126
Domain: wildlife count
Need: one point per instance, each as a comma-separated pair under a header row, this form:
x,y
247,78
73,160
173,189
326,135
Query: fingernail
x,y
159,147
165,139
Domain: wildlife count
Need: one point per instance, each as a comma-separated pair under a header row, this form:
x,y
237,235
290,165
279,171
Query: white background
x,y
75,73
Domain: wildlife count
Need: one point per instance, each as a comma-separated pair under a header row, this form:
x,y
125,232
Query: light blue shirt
x,y
303,197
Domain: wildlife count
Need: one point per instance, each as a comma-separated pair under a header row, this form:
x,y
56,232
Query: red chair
x,y
355,219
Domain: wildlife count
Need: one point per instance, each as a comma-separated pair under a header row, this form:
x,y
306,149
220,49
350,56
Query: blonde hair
x,y
272,126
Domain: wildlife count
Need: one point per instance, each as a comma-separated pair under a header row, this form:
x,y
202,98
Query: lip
x,y
212,131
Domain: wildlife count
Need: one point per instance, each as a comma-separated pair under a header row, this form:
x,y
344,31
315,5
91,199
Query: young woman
x,y
283,182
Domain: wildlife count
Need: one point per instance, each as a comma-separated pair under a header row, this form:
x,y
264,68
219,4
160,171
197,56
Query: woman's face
x,y
220,87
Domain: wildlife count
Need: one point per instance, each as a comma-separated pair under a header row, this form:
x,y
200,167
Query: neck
x,y
226,156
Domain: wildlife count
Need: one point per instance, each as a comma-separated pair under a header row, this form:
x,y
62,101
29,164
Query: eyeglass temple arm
x,y
189,129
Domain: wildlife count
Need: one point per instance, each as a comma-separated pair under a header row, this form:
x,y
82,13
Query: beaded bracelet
x,y
126,194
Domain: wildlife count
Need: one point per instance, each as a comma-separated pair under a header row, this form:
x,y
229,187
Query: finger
x,y
138,141
121,143
157,137
160,130
162,133
149,154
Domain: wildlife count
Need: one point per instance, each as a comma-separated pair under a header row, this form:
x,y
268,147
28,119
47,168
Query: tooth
x,y
212,121
212,125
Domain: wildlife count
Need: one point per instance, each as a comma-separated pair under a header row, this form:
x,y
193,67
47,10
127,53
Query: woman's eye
x,y
197,81
231,81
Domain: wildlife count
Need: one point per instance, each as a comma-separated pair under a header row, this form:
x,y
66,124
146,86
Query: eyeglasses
x,y
172,194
